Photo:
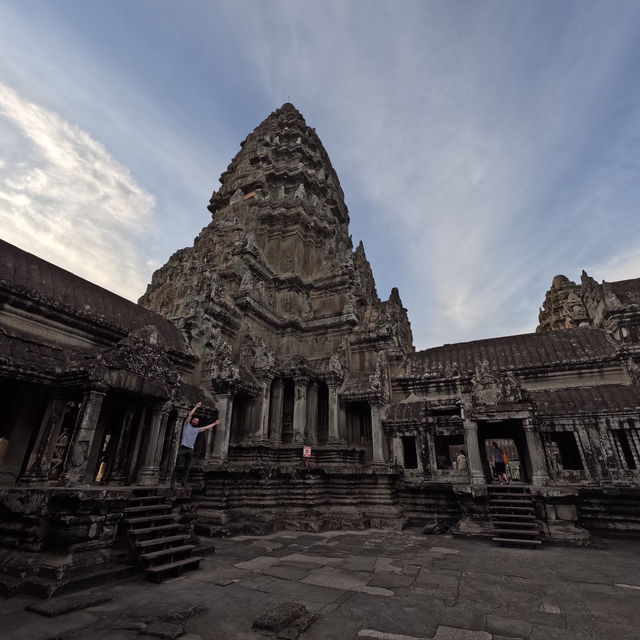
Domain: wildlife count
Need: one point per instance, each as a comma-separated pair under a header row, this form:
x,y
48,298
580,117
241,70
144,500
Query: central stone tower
x,y
293,341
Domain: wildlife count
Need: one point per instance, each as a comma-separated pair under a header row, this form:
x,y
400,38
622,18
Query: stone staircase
x,y
512,515
161,546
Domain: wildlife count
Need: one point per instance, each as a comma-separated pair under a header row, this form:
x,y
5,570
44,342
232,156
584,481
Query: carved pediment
x,y
143,353
493,387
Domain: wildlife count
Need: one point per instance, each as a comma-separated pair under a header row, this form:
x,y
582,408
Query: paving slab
x,y
59,606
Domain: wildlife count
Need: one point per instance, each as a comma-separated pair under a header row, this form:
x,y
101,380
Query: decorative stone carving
x,y
492,388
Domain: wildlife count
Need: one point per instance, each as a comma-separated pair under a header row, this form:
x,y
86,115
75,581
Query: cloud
x,y
64,198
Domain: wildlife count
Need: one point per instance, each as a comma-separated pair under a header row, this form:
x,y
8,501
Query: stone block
x,y
59,606
567,512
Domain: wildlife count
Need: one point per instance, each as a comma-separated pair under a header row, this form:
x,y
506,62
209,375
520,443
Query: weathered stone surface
x,y
165,630
275,620
59,606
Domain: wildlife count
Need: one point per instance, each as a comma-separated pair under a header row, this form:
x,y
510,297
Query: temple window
x,y
567,449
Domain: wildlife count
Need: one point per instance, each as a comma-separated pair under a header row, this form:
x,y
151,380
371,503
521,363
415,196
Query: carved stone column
x,y
148,474
539,471
398,450
263,425
377,435
174,445
224,405
430,447
80,449
312,414
473,449
334,434
418,450
299,409
342,422
277,405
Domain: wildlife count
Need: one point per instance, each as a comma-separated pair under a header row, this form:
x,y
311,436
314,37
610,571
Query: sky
x,y
483,147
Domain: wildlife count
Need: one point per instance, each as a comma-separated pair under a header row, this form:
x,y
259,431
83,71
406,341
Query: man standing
x,y
498,463
190,432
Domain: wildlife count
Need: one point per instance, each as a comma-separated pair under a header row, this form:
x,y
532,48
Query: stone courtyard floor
x,y
364,585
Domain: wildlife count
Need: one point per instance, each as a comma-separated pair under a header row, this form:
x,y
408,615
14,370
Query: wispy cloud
x,y
64,198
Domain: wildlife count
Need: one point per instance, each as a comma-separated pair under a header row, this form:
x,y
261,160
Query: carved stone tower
x,y
281,310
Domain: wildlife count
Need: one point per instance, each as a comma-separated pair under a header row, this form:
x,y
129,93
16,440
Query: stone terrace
x,y
361,585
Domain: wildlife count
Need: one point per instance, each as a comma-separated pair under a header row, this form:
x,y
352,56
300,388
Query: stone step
x,y
144,544
515,542
158,572
507,524
167,553
517,532
147,508
161,517
165,528
512,518
504,501
143,500
508,494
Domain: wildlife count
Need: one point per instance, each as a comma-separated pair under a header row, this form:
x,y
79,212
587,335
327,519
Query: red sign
x,y
306,452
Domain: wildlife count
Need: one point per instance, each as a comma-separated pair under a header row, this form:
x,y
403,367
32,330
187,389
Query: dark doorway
x,y
410,452
509,436
323,413
239,417
288,399
358,423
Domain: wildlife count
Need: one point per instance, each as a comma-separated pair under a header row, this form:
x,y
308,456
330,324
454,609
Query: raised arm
x,y
193,411
210,426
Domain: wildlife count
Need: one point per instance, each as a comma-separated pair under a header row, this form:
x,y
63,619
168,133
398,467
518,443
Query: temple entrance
x,y
509,436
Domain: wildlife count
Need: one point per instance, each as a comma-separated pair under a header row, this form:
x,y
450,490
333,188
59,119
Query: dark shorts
x,y
500,468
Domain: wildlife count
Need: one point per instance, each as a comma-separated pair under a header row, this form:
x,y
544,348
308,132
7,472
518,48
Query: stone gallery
x,y
329,417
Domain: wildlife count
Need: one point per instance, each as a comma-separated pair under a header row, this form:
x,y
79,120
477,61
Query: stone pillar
x,y
224,405
80,449
263,426
38,467
277,405
539,471
377,435
342,422
334,435
418,450
299,409
148,474
473,450
117,472
176,436
398,450
312,414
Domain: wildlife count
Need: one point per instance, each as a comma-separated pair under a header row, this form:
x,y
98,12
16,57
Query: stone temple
x,y
272,319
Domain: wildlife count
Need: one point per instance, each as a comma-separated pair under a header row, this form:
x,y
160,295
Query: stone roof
x,y
569,346
16,346
589,400
28,276
627,291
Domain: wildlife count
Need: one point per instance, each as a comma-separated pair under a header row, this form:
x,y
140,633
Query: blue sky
x,y
483,147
